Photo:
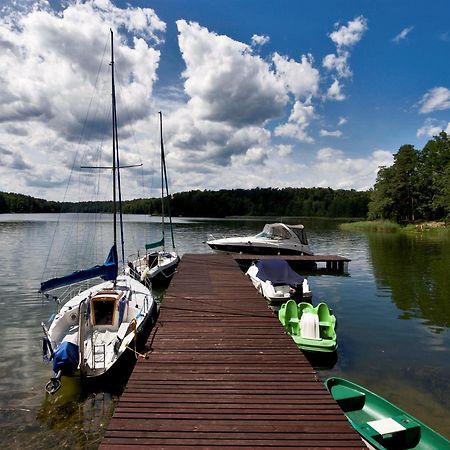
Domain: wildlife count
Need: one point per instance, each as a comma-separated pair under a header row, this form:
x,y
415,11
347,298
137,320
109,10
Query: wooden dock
x,y
222,373
330,263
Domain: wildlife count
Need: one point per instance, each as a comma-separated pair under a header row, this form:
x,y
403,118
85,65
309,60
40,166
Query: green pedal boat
x,y
311,327
381,424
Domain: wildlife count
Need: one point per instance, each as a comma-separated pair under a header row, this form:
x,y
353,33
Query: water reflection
x,y
76,418
416,270
392,311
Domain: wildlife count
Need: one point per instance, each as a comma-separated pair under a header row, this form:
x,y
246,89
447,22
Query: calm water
x,y
393,314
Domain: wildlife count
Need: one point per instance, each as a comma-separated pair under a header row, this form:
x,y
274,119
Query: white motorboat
x,y
277,282
97,325
157,267
274,239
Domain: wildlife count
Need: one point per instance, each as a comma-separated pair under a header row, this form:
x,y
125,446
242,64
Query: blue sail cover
x,y
108,271
278,272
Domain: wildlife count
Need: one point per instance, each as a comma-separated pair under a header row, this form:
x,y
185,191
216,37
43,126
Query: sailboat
x,y
95,327
157,267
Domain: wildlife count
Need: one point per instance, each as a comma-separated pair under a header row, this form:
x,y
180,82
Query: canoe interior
x,y
365,410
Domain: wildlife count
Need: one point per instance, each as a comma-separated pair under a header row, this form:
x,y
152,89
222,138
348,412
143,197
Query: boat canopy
x,y
159,243
282,231
107,271
278,272
275,231
299,231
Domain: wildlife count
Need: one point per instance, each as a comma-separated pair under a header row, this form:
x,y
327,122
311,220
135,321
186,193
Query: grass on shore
x,y
387,226
371,225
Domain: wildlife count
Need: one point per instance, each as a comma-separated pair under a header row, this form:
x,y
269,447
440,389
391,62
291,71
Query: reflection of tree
x,y
416,269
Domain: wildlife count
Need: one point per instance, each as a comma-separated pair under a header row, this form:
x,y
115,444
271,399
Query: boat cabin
x,y
280,231
299,231
105,308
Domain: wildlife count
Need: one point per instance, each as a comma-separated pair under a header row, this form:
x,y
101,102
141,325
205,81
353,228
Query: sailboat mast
x,y
114,135
162,176
164,179
116,159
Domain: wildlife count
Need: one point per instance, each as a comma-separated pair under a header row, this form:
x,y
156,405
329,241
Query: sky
x,y
254,93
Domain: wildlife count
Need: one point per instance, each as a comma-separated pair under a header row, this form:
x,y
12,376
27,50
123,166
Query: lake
x,y
392,310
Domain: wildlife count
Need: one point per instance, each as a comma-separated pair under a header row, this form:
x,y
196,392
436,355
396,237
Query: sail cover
x,y
278,272
107,271
155,244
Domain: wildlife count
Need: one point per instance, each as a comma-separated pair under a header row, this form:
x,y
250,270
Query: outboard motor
x,y
297,292
65,362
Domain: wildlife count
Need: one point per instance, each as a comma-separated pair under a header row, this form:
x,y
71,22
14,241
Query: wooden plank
x,y
220,372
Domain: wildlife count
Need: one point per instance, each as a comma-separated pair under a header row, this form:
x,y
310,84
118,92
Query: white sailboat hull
x,y
156,268
92,321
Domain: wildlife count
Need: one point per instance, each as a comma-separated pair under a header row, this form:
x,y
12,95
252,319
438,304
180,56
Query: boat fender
x,y
144,273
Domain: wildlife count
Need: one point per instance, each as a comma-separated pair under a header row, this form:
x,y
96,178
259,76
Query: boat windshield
x,y
274,232
300,233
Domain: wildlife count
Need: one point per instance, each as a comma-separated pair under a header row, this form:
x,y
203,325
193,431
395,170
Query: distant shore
x,y
392,227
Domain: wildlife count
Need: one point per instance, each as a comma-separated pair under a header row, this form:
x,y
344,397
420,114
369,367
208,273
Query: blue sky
x,y
254,93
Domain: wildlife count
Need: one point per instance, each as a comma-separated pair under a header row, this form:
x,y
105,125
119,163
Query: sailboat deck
x,y
222,373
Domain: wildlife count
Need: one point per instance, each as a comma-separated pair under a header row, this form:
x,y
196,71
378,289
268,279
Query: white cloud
x,y
50,74
342,121
350,34
254,156
345,37
339,63
327,133
302,79
301,116
336,170
216,124
328,154
284,150
431,128
260,40
225,81
335,92
402,35
435,99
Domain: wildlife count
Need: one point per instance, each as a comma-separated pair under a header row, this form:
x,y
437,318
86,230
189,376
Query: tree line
x,y
416,187
306,202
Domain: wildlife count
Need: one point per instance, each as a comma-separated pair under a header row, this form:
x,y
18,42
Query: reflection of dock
x,y
221,372
330,263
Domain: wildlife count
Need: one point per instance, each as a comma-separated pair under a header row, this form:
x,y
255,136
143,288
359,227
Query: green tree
x,y
435,160
396,192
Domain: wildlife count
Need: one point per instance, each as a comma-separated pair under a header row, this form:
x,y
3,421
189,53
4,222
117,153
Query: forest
x,y
309,202
416,187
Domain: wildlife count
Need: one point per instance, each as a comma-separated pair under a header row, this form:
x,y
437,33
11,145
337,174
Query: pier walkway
x,y
221,373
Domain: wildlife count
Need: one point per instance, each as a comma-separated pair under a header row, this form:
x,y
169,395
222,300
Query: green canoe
x,y
311,328
381,424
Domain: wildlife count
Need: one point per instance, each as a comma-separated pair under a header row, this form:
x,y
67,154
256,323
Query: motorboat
x,y
277,282
274,239
157,267
311,327
96,325
381,424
